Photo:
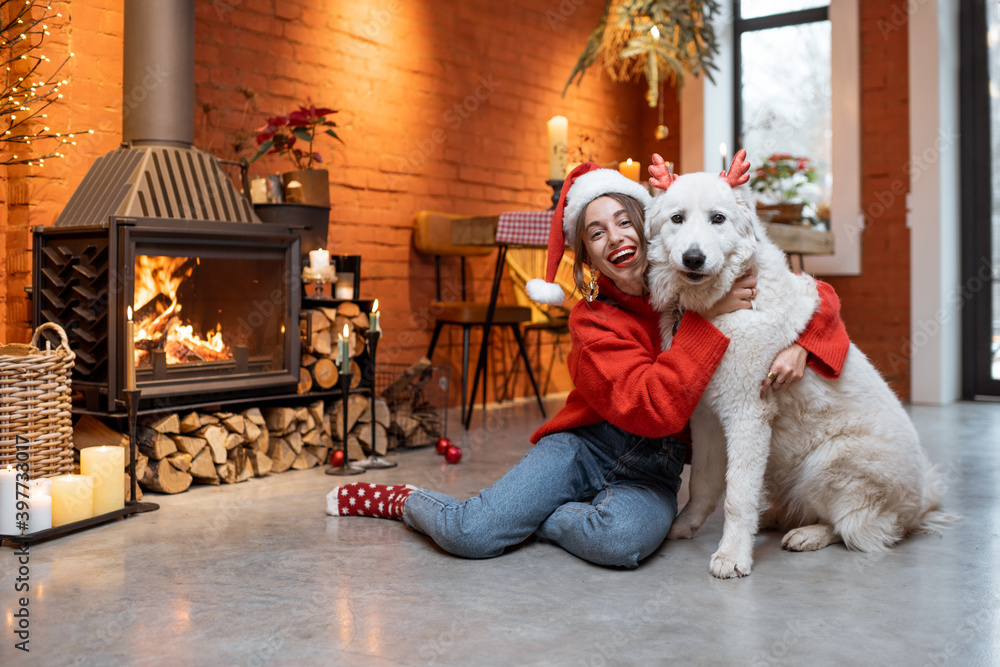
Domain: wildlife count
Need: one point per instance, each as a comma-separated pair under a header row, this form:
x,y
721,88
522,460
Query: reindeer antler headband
x,y
737,175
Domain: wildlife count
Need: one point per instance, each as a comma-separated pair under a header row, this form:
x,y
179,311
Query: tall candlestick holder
x,y
345,468
556,190
132,406
374,460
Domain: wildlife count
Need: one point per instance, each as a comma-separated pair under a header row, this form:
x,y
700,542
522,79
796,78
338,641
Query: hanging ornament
x,y
662,131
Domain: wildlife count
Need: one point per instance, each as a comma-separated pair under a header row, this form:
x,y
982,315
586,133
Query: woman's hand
x,y
740,297
787,368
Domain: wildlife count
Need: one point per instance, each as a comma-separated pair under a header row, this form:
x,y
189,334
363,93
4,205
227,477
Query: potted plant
x,y
784,184
293,136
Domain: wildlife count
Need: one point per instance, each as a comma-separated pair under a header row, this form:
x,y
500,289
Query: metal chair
x,y
432,236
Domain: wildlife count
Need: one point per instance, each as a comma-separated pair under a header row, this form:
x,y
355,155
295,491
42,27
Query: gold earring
x,y
592,287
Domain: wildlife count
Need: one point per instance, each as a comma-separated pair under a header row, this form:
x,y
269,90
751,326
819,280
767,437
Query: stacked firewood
x,y
319,369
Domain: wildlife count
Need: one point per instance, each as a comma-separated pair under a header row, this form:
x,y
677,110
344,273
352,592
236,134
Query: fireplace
x,y
157,225
216,308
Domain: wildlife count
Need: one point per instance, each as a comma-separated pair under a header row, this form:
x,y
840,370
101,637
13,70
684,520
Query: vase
x,y
307,186
783,213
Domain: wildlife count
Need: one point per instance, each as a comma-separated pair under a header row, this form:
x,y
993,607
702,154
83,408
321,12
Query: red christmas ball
x,y
337,458
442,445
453,454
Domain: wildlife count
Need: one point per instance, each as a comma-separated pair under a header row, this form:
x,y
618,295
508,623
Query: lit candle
x,y
722,152
39,513
72,498
129,351
8,502
344,288
558,126
319,259
629,169
343,351
40,487
373,324
107,466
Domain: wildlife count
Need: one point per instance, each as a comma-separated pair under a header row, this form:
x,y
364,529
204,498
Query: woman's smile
x,y
613,243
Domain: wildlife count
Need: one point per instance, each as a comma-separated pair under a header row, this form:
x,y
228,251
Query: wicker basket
x,y
35,403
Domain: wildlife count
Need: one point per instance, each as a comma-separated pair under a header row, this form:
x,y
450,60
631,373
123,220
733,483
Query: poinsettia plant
x,y
285,135
781,178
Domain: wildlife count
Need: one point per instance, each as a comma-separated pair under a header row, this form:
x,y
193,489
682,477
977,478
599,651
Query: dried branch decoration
x,y
30,86
658,39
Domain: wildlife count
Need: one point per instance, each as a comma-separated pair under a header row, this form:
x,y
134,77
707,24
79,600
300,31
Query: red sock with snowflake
x,y
365,499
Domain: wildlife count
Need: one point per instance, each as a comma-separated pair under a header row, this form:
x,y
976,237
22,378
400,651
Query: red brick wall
x,y
443,106
876,304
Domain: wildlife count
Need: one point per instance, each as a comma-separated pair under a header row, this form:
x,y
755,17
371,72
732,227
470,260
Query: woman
x,y
602,479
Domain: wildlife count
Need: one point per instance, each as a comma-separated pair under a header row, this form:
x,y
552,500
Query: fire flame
x,y
158,322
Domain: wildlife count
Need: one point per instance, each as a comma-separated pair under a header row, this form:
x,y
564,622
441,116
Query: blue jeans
x,y
600,493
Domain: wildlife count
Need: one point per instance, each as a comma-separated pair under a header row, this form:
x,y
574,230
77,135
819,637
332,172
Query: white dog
x,y
838,460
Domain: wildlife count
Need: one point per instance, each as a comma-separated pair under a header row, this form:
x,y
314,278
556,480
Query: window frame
x,y
847,220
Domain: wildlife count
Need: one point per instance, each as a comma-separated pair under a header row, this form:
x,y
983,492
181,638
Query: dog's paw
x,y
685,525
726,566
809,538
682,530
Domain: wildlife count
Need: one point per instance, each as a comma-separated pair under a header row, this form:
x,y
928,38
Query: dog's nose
x,y
694,259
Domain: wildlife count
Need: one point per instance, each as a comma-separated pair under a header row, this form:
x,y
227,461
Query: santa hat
x,y
583,185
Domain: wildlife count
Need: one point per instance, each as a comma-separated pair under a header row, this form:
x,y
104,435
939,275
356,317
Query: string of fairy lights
x,y
27,91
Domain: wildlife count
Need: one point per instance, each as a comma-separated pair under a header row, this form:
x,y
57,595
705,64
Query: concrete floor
x,y
257,574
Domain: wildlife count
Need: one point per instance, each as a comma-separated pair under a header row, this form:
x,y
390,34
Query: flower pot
x,y
783,213
307,186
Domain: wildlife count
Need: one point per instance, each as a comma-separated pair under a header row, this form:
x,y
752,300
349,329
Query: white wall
x,y
934,210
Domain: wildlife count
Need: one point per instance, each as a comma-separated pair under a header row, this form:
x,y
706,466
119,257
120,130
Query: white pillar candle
x,y
344,287
39,513
107,466
8,502
72,498
722,152
40,487
373,324
319,259
558,126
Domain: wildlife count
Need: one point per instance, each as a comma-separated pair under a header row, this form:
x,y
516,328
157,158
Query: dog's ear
x,y
748,224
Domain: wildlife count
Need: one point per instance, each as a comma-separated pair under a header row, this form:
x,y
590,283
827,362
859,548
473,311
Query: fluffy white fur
x,y
837,460
540,291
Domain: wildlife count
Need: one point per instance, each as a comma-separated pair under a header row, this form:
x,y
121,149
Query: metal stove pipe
x,y
158,81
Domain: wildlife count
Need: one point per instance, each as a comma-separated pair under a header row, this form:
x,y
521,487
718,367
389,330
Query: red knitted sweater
x,y
622,377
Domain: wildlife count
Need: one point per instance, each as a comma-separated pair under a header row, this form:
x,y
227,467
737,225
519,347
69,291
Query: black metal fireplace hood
x,y
157,172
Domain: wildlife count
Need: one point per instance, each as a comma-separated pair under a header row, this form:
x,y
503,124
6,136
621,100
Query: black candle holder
x,y
132,406
374,460
556,190
345,467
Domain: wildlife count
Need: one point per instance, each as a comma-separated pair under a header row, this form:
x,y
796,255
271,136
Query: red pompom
x,y
442,445
453,454
337,458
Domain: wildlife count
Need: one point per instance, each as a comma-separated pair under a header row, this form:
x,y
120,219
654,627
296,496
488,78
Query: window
x,y
783,92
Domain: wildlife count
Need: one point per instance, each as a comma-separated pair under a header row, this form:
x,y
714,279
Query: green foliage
x,y
627,46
